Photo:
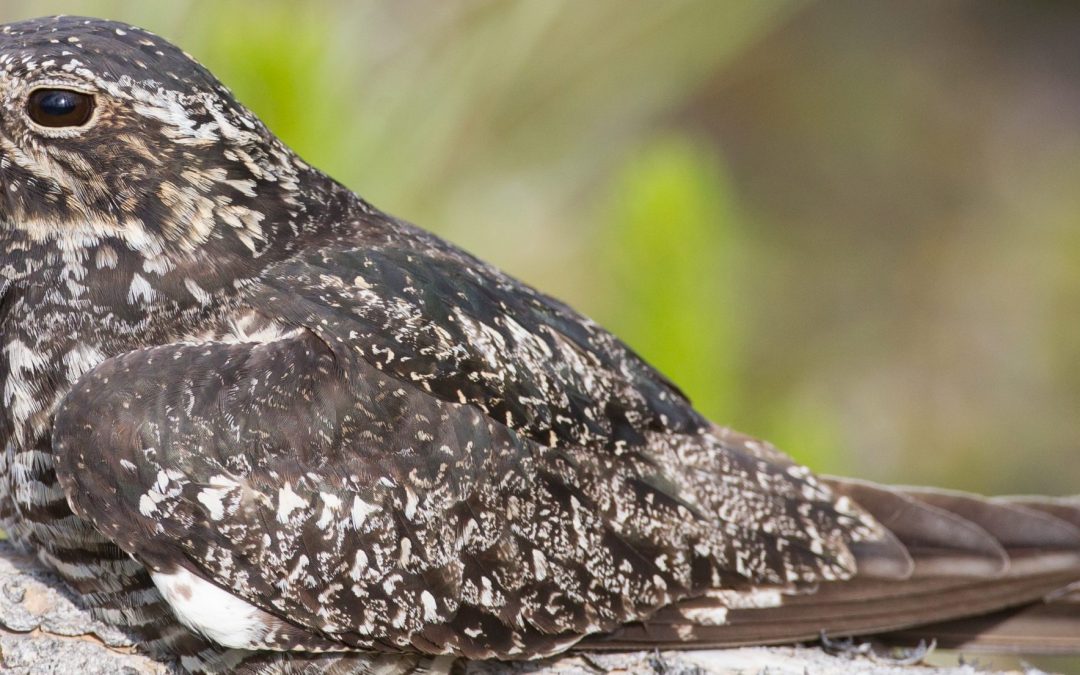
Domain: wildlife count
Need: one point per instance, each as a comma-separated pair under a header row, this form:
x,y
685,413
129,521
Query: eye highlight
x,y
57,108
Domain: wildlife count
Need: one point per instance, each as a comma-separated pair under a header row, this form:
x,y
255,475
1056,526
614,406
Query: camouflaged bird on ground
x,y
266,427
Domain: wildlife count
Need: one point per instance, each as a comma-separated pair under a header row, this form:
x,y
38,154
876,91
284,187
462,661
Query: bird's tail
x,y
969,571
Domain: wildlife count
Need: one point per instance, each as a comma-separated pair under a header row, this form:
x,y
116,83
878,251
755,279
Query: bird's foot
x,y
849,648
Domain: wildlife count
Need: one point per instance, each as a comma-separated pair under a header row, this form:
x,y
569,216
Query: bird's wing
x,y
994,574
435,318
1049,626
422,456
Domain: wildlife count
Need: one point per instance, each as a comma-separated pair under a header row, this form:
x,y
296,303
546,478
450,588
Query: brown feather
x,y
991,559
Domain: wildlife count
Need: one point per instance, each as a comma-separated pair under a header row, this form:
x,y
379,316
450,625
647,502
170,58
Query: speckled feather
x,y
226,377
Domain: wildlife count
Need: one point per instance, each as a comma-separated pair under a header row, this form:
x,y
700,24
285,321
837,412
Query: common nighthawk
x,y
266,426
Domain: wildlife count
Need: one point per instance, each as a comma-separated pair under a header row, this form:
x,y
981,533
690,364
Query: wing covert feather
x,y
375,514
436,318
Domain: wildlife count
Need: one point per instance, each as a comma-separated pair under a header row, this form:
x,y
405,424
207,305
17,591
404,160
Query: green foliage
x,y
806,428
674,252
278,65
670,251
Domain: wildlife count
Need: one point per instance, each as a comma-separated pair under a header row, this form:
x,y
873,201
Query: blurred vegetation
x,y
672,294
849,227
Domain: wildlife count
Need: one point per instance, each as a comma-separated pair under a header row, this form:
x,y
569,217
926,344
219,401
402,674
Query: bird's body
x,y
259,421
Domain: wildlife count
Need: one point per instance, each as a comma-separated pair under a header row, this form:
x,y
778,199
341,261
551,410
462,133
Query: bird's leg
x,y
907,656
849,648
846,647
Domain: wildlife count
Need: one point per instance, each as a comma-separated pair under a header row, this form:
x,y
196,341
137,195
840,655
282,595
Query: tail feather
x,y
940,542
1035,540
973,571
1050,627
1063,508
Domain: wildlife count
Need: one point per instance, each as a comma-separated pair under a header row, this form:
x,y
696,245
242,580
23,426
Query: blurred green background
x,y
851,227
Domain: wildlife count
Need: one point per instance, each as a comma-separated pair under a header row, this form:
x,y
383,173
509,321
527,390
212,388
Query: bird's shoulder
x,y
442,321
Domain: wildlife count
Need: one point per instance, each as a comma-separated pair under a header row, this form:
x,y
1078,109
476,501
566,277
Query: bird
x,y
266,427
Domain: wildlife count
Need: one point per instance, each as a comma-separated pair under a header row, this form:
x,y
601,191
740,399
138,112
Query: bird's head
x,y
123,156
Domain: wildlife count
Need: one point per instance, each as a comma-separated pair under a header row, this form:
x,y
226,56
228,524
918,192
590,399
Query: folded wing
x,y
287,498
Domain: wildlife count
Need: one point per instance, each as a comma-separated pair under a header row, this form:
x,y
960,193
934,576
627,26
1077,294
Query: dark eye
x,y
60,107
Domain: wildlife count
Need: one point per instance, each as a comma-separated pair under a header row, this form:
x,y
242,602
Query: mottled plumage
x,y
266,426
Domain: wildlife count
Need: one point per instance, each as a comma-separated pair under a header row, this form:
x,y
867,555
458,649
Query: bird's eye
x,y
60,107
